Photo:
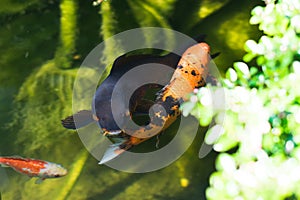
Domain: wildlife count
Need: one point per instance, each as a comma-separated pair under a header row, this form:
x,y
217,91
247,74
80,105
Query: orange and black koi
x,y
33,167
191,72
102,112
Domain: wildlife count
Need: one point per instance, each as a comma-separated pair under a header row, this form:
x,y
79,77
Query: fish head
x,y
201,52
53,170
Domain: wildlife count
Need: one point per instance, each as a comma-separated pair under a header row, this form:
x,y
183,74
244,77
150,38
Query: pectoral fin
x,y
78,120
115,150
39,180
112,133
112,152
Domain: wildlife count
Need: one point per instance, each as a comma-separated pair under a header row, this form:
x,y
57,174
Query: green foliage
x,y
43,99
109,28
257,112
41,102
68,33
7,6
74,174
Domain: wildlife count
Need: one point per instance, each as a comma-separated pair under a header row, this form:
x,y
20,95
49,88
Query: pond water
x,y
35,95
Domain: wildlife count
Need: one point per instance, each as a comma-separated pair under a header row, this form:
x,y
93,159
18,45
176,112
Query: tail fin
x,y
78,120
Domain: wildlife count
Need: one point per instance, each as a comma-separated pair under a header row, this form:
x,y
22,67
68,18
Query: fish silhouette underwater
x,y
191,71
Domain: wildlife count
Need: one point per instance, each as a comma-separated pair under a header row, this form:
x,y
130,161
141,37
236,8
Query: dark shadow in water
x,y
117,188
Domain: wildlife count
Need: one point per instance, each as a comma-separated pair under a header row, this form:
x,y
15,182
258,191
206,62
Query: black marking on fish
x,y
201,82
211,79
193,73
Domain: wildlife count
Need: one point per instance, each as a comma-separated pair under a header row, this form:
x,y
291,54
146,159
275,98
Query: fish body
x,y
101,107
191,72
34,167
103,97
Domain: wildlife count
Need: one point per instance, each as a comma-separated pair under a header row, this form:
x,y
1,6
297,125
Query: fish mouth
x,y
61,172
65,172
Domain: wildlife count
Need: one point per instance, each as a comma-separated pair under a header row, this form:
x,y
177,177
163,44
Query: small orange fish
x,y
34,168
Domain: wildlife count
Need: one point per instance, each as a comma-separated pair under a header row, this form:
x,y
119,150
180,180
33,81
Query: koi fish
x,y
34,168
191,72
102,112
192,68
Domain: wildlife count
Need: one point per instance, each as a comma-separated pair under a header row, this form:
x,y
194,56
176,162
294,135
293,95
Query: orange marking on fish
x,y
190,73
34,167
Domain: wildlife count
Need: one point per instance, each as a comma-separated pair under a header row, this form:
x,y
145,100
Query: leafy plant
x,y
260,117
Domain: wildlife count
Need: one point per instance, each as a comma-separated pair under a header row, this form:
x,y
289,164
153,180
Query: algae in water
x,y
46,97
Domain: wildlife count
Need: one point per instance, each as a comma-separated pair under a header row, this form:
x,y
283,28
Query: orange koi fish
x,y
191,72
34,168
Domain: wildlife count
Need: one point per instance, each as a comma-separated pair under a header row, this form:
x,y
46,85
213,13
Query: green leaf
x,y
213,134
231,75
253,70
295,23
248,57
187,107
226,162
206,118
255,19
296,67
257,11
227,83
225,143
250,45
260,60
242,68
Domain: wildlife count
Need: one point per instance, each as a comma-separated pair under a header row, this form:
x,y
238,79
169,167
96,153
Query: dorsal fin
x,y
126,62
